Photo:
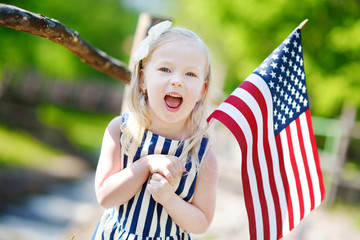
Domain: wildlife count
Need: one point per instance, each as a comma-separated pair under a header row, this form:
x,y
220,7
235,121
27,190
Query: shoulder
x,y
209,165
118,123
115,124
210,158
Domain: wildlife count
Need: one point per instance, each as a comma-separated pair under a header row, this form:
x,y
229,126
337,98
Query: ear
x,y
205,87
204,90
142,80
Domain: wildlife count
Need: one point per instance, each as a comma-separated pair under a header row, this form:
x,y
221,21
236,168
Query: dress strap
x,y
124,120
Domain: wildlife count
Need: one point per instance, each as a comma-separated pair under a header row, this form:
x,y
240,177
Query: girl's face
x,y
174,79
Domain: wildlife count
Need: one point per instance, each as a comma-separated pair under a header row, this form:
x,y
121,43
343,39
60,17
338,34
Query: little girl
x,y
147,190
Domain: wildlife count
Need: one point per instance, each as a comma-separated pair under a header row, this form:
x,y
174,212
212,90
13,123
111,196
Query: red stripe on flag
x,y
229,123
249,116
306,164
296,172
295,150
250,87
316,154
239,135
285,181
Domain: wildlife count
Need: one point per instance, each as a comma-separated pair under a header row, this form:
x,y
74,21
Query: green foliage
x,y
240,35
85,130
30,152
352,210
243,33
104,24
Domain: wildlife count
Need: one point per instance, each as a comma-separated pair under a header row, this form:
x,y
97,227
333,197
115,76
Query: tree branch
x,y
22,20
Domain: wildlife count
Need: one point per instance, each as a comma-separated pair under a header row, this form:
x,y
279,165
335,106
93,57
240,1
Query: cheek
x,y
200,90
154,95
195,96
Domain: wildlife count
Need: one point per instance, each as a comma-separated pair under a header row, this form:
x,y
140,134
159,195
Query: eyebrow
x,y
168,62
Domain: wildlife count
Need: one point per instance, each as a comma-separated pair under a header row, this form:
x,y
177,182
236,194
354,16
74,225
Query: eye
x,y
190,74
164,69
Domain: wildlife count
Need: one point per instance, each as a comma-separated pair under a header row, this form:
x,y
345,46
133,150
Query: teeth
x,y
172,95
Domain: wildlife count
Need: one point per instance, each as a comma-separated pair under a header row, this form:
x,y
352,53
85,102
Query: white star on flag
x,y
280,169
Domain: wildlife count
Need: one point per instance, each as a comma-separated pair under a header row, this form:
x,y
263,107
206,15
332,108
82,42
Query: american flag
x,y
269,116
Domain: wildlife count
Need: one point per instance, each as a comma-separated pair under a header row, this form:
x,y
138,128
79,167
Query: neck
x,y
172,131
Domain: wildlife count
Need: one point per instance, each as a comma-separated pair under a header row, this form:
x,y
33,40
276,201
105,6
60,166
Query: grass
x,y
20,149
348,209
85,130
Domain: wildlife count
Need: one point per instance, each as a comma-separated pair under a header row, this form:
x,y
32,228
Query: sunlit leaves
x,y
243,33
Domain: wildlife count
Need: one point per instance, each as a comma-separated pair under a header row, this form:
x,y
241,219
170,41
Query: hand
x,y
168,166
160,188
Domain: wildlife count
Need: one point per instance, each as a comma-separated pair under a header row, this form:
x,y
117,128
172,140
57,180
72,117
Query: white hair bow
x,y
143,49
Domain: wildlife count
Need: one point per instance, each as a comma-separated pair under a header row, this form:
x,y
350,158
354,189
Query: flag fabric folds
x,y
270,118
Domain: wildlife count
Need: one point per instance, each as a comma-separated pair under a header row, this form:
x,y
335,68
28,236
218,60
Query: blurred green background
x,y
108,25
240,34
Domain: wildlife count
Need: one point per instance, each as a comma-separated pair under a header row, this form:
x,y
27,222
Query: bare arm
x,y
114,184
202,207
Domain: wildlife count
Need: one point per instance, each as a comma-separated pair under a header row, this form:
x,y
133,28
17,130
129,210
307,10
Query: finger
x,y
169,176
151,189
176,172
181,167
179,172
173,170
157,177
155,184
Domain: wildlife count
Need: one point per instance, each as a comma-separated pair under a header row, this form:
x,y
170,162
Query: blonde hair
x,y
137,100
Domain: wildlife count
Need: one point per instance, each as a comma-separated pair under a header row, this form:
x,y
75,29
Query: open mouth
x,y
173,101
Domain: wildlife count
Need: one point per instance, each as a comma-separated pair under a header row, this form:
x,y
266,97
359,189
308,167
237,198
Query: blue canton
x,y
283,71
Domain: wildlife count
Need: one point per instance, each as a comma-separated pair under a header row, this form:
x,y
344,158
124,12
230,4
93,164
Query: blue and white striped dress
x,y
141,217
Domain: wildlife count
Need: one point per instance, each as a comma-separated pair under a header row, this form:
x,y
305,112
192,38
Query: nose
x,y
176,80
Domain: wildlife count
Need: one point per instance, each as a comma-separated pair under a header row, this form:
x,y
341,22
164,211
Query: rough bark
x,y
23,20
